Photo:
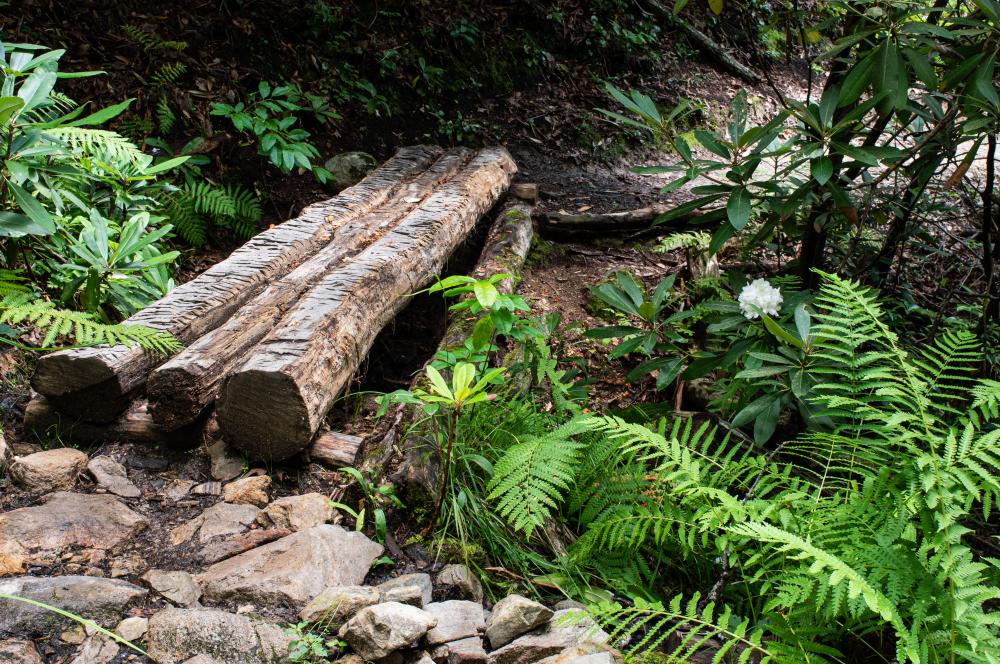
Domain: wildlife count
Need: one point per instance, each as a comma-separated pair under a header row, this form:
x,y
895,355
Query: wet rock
x,y
551,639
218,520
297,512
97,649
394,589
513,616
65,521
18,651
294,569
456,619
132,629
380,630
51,470
465,651
248,491
178,587
348,168
225,465
335,606
111,475
177,635
458,581
100,600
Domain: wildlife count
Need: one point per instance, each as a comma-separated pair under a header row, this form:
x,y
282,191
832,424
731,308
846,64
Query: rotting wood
x,y
526,191
96,384
134,425
184,386
335,449
274,403
604,222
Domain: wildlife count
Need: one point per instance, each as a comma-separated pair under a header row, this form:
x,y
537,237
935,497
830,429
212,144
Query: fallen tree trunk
x,y
181,389
96,384
604,222
275,402
335,449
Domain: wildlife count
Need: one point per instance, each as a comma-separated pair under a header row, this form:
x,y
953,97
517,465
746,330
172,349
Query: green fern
x,y
167,74
97,141
165,115
150,41
197,205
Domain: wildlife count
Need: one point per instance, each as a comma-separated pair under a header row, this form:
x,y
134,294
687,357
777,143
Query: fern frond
x,y
165,115
947,365
167,74
91,141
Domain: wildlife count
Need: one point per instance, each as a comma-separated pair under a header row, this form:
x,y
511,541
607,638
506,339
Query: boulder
x,y
459,582
464,651
112,476
566,629
132,629
19,651
378,631
178,587
177,635
101,600
513,616
65,521
456,619
348,168
97,649
335,606
294,569
221,519
586,654
225,465
248,491
297,512
51,470
394,590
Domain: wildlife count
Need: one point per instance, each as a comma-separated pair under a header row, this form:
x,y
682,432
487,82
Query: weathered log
x,y
274,403
604,222
95,384
134,425
180,389
335,449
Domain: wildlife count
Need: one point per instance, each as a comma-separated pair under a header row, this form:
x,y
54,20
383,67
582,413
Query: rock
x,y
570,604
97,649
466,651
297,512
218,520
178,587
294,569
176,490
129,565
202,659
227,548
74,636
111,474
64,522
175,635
421,581
378,631
18,651
225,466
456,619
248,491
551,639
5,454
348,168
513,616
458,581
586,654
335,606
100,600
207,489
132,629
51,470
412,595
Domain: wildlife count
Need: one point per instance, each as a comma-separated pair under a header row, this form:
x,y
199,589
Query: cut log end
x,y
264,414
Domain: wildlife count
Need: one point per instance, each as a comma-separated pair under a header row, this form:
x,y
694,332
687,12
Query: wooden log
x,y
604,222
95,384
181,389
134,425
274,403
335,449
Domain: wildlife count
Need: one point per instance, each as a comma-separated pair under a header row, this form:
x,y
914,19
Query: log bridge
x,y
274,333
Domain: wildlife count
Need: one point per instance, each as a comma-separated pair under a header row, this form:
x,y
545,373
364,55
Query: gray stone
x,y
456,619
202,659
513,616
294,569
51,470
65,521
378,631
225,466
297,512
570,604
248,491
419,580
219,520
458,581
112,475
100,600
348,168
132,629
97,649
335,606
585,654
176,489
18,651
5,451
412,595
178,587
176,635
566,629
466,651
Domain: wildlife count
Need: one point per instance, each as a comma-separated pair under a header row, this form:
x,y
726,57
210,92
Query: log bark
x,y
181,389
335,449
95,384
274,403
605,222
134,425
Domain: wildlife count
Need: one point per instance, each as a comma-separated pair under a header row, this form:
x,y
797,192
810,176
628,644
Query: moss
x,y
542,252
452,550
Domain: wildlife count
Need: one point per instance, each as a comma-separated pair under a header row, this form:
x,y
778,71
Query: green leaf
x,y
767,422
802,321
738,208
821,169
856,81
101,116
8,107
31,207
780,332
486,293
707,139
13,224
437,382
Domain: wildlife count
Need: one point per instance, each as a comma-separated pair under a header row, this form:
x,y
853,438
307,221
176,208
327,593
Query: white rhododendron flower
x,y
760,296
